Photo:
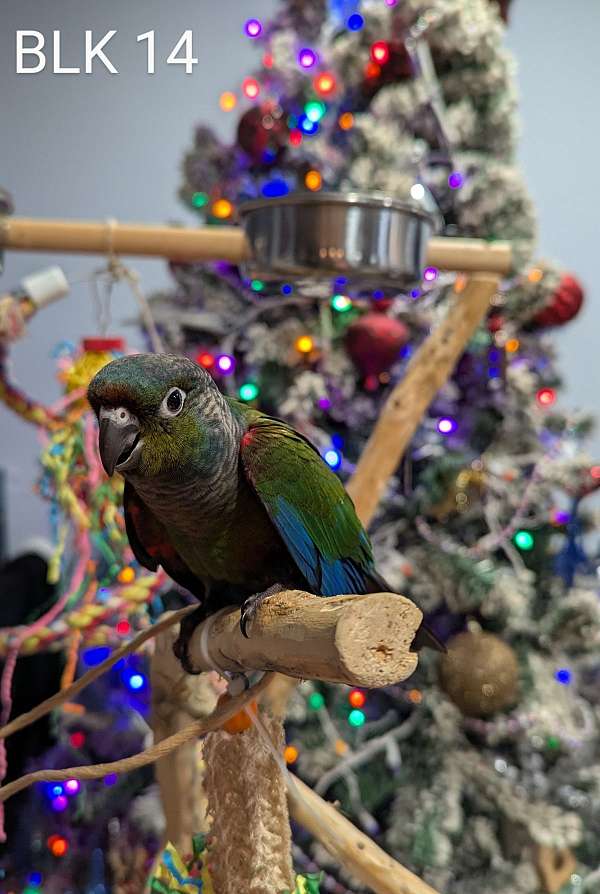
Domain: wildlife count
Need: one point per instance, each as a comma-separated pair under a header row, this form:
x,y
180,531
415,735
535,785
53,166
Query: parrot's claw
x,y
186,629
250,606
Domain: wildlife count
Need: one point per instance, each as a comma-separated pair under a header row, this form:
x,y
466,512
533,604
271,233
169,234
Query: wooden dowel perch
x,y
357,640
352,848
222,243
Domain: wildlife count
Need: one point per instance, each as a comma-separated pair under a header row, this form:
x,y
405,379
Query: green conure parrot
x,y
234,504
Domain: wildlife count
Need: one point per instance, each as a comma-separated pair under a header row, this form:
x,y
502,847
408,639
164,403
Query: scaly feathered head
x,y
156,412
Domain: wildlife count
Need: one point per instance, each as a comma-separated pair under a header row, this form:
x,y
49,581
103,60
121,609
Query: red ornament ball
x,y
374,342
261,134
563,305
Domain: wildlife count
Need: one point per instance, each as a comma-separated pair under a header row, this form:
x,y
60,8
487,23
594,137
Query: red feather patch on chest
x,y
247,439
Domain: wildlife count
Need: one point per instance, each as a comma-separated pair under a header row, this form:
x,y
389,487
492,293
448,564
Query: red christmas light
x,y
77,739
380,52
295,137
372,70
267,60
250,88
205,359
546,397
324,83
123,626
57,845
357,698
595,472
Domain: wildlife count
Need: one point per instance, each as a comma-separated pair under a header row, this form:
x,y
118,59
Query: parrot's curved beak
x,y
119,442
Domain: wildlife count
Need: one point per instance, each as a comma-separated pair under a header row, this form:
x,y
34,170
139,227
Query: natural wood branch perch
x,y
358,640
428,370
222,243
349,846
178,698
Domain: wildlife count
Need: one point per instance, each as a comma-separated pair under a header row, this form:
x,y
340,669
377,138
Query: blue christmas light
x,y
96,655
563,675
307,126
355,22
136,682
337,441
35,879
274,188
56,790
333,458
287,289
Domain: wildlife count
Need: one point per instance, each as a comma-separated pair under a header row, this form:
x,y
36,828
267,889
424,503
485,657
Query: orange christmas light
x,y
313,181
304,344
228,101
222,209
126,575
346,120
290,754
240,721
324,83
535,274
512,345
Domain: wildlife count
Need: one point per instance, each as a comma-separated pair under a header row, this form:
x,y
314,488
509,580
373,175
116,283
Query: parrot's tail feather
x,y
426,639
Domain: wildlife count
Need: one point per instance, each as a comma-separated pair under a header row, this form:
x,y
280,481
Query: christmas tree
x,y
478,774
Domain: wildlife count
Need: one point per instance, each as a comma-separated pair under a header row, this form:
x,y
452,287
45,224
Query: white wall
x,y
103,145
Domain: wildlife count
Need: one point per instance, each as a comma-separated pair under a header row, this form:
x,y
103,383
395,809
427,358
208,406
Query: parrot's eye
x,y
173,402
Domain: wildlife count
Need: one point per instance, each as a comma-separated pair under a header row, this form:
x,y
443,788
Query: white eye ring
x,y
173,402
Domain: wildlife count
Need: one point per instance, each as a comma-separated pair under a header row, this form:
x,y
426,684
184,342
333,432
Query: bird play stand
x,y
357,640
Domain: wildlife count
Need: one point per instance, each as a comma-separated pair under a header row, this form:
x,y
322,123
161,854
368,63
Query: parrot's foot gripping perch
x,y
250,606
181,646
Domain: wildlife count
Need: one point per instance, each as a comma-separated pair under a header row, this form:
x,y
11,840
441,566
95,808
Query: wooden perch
x,y
358,640
177,698
428,370
222,243
349,846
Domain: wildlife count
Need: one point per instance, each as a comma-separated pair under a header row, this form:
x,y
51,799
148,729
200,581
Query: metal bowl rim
x,y
368,200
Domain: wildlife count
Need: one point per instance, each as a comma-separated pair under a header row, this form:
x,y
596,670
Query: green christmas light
x,y
248,391
356,717
199,199
553,742
257,285
341,303
316,701
314,110
524,540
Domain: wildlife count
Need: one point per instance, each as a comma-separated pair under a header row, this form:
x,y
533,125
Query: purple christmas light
x,y
59,804
253,28
226,364
307,57
72,786
455,180
446,425
430,274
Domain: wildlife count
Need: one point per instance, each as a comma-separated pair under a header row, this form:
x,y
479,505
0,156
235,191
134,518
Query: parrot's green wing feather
x,y
151,545
308,505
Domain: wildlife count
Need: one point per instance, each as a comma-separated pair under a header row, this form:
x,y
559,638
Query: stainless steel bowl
x,y
374,241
